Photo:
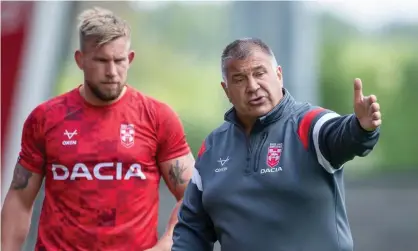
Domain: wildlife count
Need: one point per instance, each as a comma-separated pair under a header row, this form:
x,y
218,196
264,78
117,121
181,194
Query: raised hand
x,y
366,108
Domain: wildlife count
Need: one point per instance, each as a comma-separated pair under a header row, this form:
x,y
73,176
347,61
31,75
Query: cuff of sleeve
x,y
359,133
175,154
30,167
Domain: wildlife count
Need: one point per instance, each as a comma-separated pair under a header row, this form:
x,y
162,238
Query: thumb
x,y
358,90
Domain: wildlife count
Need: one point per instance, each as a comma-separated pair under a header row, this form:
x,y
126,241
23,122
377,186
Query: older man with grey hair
x,y
271,176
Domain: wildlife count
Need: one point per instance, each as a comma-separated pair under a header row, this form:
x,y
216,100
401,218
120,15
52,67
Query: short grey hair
x,y
102,26
242,48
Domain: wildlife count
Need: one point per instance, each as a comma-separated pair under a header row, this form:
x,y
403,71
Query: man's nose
x,y
111,70
252,84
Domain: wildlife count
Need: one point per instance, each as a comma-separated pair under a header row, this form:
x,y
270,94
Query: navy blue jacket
x,y
279,189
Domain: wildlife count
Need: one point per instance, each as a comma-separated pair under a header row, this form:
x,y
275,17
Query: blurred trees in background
x,y
178,49
387,62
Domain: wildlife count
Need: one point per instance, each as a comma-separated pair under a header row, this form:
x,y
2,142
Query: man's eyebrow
x,y
100,58
237,74
259,67
109,59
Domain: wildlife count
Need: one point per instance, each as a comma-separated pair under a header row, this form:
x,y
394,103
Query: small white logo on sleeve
x,y
70,141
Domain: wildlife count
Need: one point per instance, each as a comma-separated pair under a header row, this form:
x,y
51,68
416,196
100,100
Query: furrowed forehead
x,y
246,68
253,62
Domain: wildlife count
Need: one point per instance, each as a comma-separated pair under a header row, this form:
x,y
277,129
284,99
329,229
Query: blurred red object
x,y
16,18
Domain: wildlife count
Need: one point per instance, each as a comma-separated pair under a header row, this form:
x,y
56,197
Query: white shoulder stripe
x,y
315,134
197,180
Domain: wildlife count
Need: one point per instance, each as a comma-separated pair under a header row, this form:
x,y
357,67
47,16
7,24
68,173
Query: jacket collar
x,y
275,114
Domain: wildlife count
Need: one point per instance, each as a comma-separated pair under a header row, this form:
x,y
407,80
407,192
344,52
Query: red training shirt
x,y
100,164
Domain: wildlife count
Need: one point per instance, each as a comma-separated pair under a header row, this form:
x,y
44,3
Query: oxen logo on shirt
x,y
127,135
273,154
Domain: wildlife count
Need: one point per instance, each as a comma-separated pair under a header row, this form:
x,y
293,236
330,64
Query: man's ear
x,y
224,87
78,56
279,72
131,56
226,90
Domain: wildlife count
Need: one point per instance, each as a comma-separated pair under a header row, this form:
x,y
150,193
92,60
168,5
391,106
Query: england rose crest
x,y
273,154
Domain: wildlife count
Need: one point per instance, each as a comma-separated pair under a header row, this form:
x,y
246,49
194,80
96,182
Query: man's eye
x,y
238,80
259,74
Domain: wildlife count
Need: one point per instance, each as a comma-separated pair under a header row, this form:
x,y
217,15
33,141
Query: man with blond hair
x,y
102,149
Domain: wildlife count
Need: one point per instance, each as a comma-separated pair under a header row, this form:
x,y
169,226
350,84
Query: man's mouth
x,y
257,101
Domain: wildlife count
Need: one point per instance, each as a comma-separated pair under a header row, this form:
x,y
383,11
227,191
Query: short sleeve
x,y
32,152
170,134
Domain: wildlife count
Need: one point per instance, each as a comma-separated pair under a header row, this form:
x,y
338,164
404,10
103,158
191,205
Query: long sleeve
x,y
337,139
194,230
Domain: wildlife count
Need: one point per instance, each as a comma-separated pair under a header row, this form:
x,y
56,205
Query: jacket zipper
x,y
247,169
248,157
258,151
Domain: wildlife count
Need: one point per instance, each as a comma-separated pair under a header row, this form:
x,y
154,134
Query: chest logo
x,y
69,141
273,154
127,135
222,162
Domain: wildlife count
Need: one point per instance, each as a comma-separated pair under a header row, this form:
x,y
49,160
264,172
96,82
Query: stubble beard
x,y
105,96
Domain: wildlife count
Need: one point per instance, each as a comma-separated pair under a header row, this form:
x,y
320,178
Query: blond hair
x,y
101,26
